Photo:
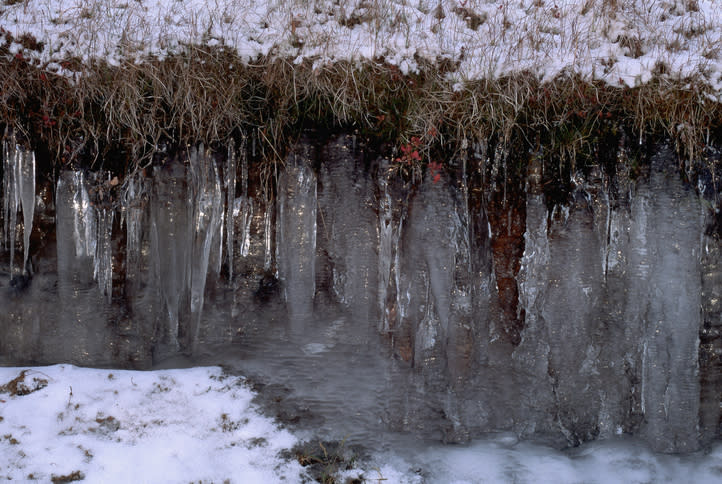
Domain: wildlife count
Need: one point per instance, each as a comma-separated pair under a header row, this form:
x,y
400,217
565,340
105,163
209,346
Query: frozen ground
x,y
623,42
199,425
125,426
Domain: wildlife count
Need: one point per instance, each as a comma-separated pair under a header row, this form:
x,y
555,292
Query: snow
x,y
186,425
621,42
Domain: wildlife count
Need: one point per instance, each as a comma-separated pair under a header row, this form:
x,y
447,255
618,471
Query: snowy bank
x,y
621,42
86,79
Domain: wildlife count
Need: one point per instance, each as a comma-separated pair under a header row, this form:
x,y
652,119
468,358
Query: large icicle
x,y
19,191
103,257
207,217
388,242
170,240
268,236
26,187
230,185
10,198
531,356
671,309
6,193
348,231
459,331
245,207
135,197
427,275
84,223
296,237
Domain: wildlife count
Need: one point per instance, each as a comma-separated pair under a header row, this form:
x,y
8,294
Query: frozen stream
x,y
574,341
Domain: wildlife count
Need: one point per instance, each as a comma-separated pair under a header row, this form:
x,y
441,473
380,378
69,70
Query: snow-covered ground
x,y
622,42
128,426
199,425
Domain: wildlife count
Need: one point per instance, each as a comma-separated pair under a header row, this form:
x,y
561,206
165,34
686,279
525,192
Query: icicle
x,y
246,213
244,170
244,206
103,262
91,229
19,191
230,185
607,235
267,228
11,198
85,234
386,242
14,208
134,195
170,239
26,189
216,263
664,302
208,213
296,237
6,193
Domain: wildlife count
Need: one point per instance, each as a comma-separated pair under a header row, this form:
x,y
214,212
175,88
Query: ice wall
x,y
615,327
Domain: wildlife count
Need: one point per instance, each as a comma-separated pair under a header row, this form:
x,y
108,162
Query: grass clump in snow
x,y
324,461
23,385
72,477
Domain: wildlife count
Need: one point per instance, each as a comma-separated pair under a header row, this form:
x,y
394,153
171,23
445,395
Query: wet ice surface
x,y
500,459
200,424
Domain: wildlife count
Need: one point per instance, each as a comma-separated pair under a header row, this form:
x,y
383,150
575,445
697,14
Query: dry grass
x,y
210,95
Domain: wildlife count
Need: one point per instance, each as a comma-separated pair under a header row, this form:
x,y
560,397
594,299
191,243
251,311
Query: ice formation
x,y
19,193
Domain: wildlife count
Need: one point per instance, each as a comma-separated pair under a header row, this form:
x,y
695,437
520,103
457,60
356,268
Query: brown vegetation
x,y
210,95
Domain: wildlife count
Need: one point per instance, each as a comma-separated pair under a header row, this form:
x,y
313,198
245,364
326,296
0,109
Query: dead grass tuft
x,y
210,95
72,477
21,385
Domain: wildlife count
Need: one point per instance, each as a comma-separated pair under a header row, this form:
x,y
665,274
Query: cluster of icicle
x,y
19,192
92,225
192,213
192,218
